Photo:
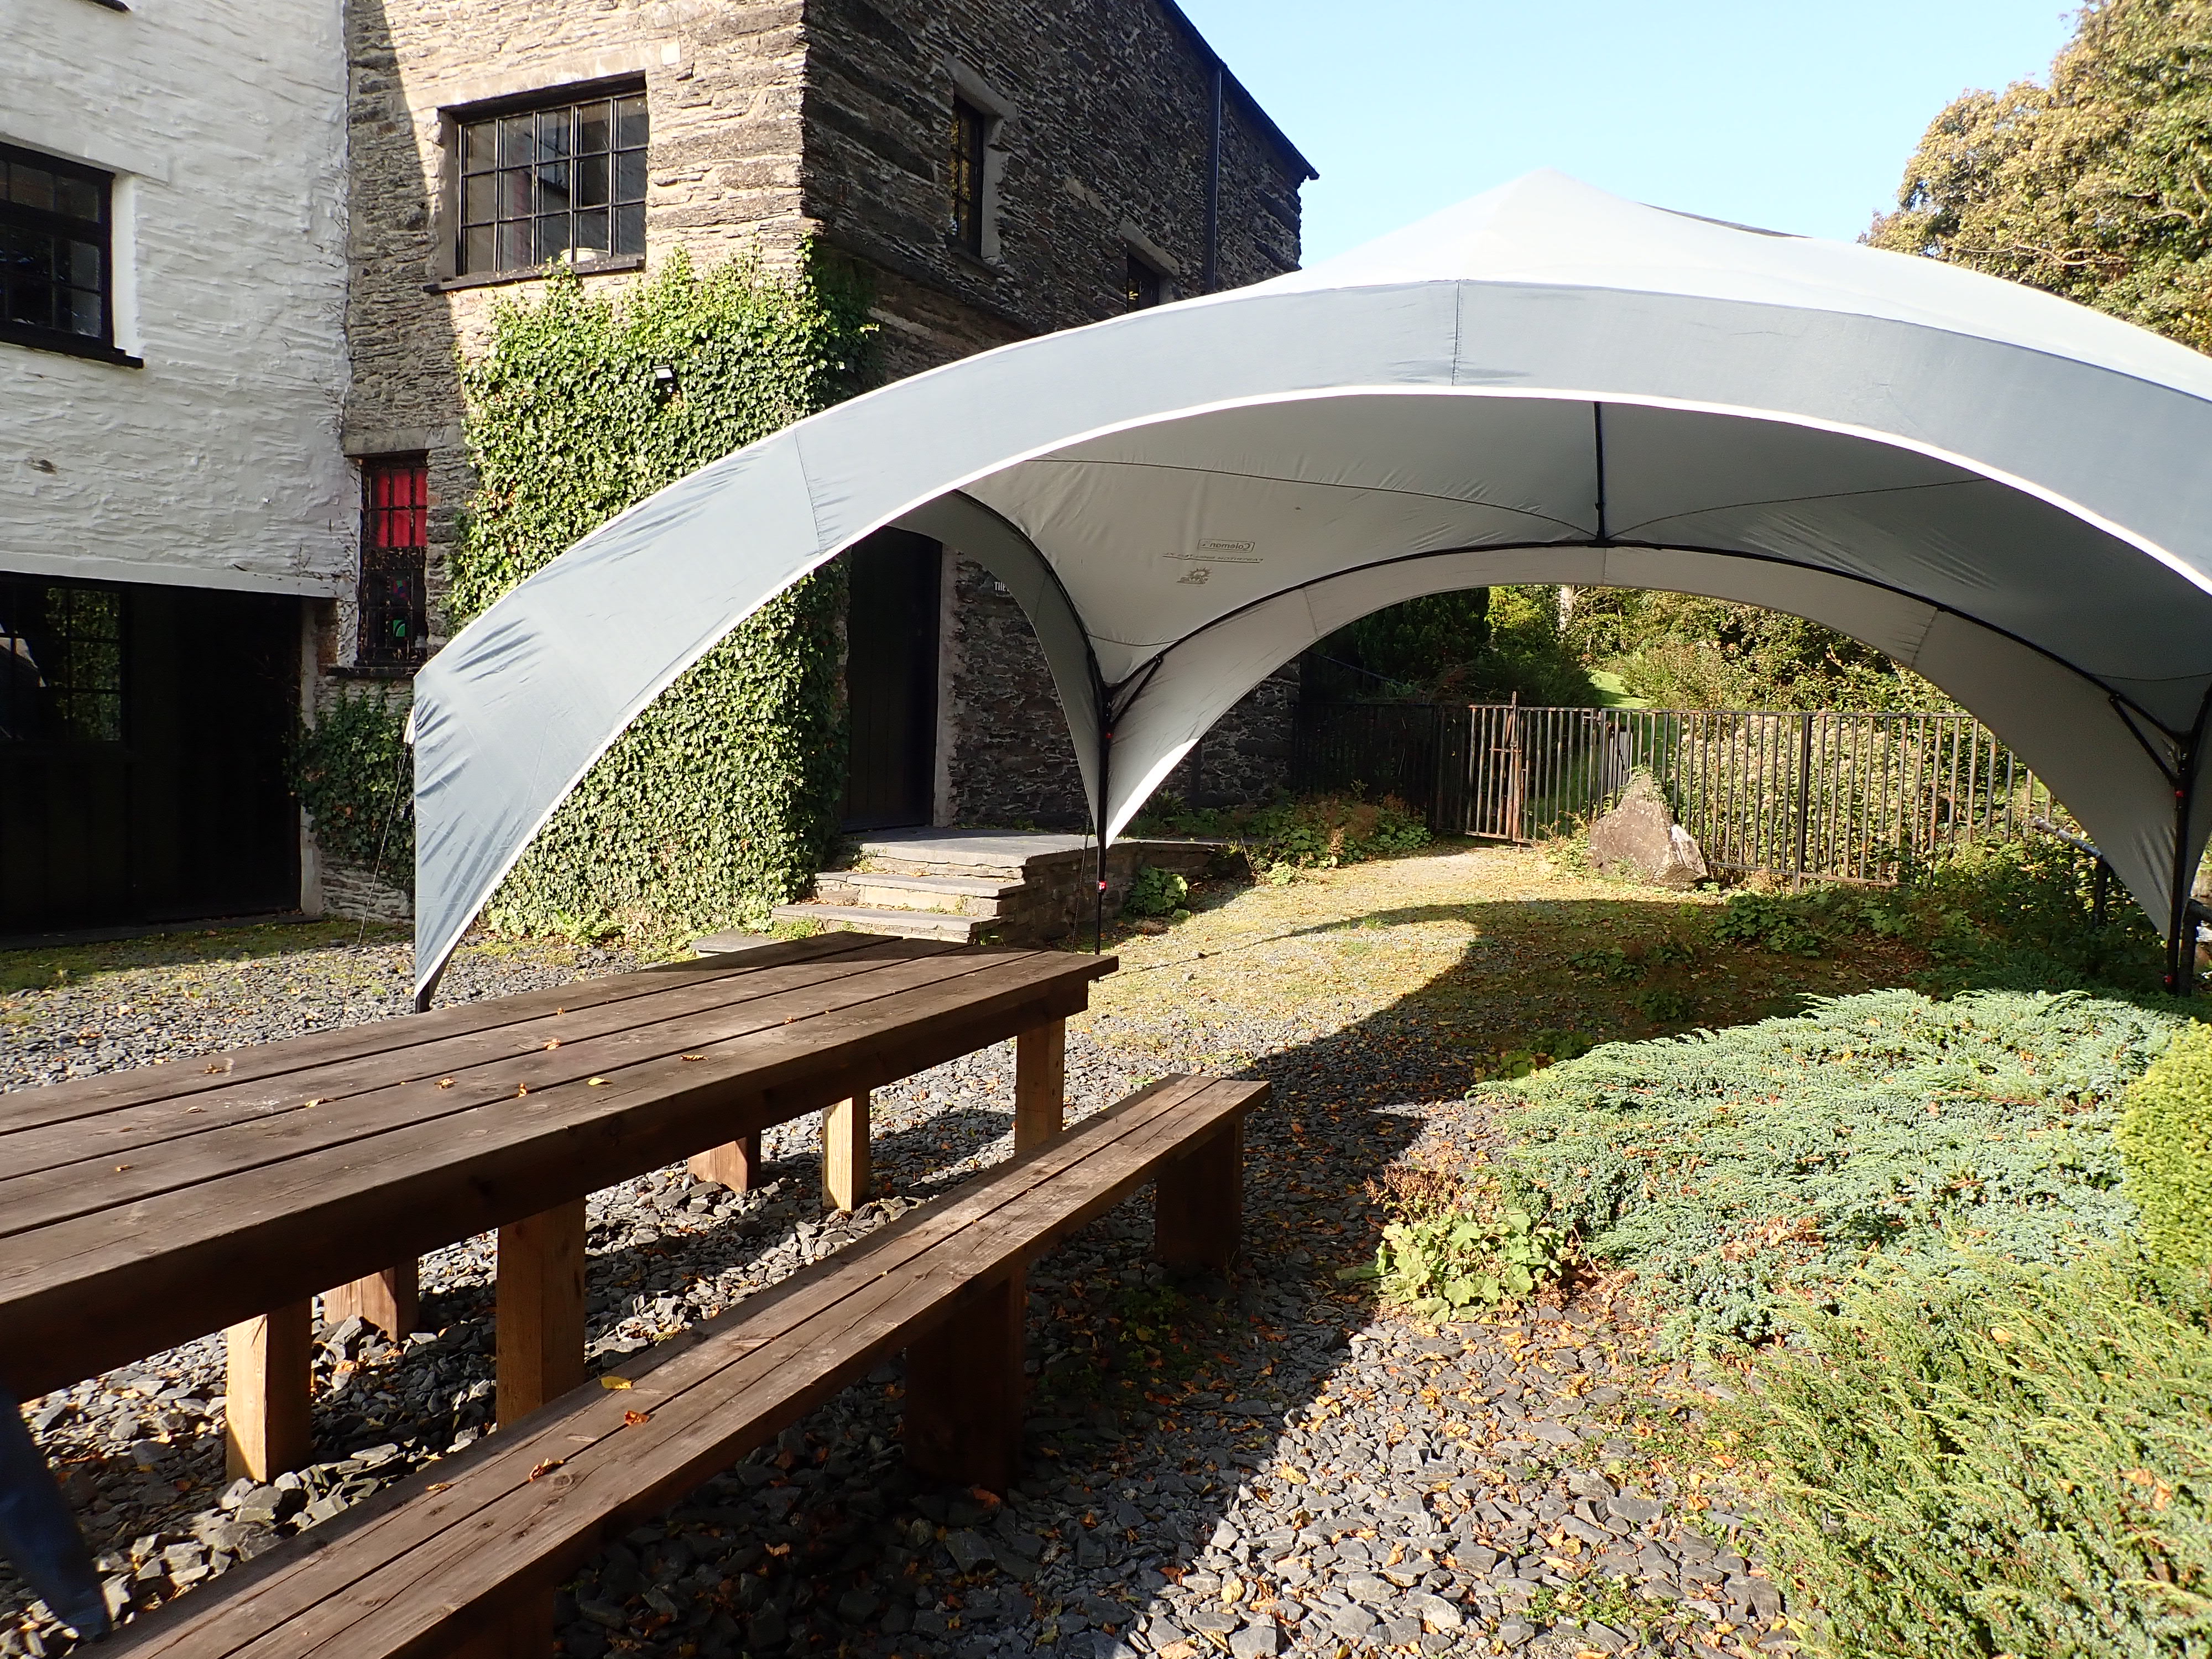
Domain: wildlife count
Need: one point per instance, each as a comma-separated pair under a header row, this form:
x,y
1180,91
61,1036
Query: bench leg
x,y
964,1392
265,1410
392,1301
520,1627
733,1164
846,1176
1040,1084
541,1308
1197,1222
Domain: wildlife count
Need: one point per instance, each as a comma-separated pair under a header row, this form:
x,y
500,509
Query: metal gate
x,y
1855,795
1842,793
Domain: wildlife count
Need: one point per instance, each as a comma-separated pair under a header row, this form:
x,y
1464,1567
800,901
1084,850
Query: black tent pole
x,y
1099,915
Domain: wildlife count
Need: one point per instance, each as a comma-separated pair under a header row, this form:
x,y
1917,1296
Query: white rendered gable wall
x,y
217,464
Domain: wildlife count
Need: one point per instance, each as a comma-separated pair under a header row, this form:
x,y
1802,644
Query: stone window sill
x,y
495,278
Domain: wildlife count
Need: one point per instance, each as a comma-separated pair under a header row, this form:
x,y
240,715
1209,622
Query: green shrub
x,y
2165,1143
1744,1173
2016,914
1155,893
1460,1245
354,773
2001,1460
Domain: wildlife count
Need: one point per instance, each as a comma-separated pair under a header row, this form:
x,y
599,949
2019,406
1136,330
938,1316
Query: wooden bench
x,y
466,1555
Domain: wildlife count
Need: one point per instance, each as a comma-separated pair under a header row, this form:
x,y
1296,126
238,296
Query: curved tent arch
x,y
1997,488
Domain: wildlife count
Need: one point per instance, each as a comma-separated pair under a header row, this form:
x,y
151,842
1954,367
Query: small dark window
x,y
969,126
395,541
1144,290
61,663
55,280
565,182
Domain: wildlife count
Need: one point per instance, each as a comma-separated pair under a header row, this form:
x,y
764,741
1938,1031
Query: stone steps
x,y
971,885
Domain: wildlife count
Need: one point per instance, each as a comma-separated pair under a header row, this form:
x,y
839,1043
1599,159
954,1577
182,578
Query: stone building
x,y
174,506
1000,168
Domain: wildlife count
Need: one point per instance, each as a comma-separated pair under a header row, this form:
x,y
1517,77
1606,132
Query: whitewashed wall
x,y
217,464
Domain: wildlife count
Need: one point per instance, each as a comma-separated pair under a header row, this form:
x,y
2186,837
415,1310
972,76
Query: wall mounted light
x,y
664,377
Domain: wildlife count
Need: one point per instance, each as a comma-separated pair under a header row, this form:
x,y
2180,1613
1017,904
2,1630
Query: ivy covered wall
x,y
721,799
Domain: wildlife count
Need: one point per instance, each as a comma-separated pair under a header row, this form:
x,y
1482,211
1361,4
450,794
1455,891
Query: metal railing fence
x,y
1849,794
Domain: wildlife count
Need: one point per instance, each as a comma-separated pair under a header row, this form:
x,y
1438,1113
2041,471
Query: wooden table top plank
x,y
84,1097
103,1288
90,1184
135,1129
696,1420
687,1385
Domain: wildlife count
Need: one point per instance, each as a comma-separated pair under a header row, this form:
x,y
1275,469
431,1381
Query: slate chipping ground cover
x,y
1252,1464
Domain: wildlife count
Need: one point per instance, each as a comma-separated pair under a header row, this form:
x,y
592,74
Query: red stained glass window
x,y
395,543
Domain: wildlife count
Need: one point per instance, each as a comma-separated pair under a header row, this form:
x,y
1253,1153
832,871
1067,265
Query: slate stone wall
x,y
774,121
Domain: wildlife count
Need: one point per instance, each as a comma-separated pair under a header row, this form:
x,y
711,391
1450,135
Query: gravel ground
x,y
1254,1464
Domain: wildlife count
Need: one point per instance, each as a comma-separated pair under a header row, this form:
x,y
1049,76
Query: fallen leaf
x,y
595,1083
314,1102
445,1082
439,1485
554,1043
547,1466
120,1168
694,1056
196,1108
612,1383
520,1090
215,1071
779,1549
637,1419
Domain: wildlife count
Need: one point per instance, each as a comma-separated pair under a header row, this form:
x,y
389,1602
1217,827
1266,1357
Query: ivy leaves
x,y
721,798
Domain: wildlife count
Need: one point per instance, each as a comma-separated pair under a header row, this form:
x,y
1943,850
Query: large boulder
x,y
1640,838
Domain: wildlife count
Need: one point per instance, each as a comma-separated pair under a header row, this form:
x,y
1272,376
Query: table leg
x,y
846,1176
268,1363
1198,1218
392,1301
1040,1084
733,1164
541,1308
964,1392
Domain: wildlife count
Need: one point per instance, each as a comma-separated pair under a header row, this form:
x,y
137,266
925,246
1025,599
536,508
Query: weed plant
x,y
2009,1459
1155,893
1460,1243
1743,1173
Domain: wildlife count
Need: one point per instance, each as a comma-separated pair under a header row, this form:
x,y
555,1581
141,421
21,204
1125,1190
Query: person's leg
x,y
40,1534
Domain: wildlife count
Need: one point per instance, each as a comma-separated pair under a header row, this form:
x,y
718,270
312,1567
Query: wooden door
x,y
891,680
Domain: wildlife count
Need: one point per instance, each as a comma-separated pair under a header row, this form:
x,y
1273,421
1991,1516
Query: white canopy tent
x,y
2006,491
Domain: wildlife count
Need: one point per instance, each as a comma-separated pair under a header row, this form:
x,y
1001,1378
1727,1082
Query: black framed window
x,y
395,546
61,662
56,282
969,128
556,181
1145,288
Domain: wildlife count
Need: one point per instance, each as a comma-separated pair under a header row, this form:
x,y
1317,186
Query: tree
x,y
2097,187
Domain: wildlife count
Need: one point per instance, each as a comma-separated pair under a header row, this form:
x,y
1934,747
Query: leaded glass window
x,y
560,182
55,280
969,127
61,662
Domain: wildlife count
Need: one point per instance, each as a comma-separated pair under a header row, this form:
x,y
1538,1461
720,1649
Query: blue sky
x,y
1783,113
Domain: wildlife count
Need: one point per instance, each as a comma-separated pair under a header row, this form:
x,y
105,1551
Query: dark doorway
x,y
142,754
891,680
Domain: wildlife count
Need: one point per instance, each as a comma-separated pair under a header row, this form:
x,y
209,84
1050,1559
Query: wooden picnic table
x,y
141,1209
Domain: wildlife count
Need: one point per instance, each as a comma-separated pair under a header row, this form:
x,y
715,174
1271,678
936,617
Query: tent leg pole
x,y
2181,933
429,989
1098,910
